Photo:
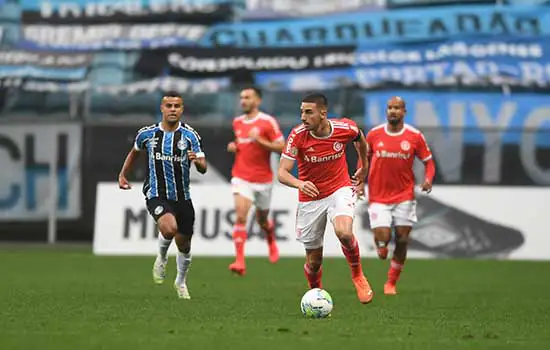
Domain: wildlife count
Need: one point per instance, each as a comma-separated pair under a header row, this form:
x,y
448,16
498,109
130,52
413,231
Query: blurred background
x,y
78,78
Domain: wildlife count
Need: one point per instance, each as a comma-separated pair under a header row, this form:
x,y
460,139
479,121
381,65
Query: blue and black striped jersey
x,y
168,164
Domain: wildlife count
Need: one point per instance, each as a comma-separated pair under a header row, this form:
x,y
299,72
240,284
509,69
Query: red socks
x,y
353,257
394,271
270,233
313,278
239,238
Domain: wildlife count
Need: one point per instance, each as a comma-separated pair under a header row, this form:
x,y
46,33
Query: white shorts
x,y
388,215
311,217
259,194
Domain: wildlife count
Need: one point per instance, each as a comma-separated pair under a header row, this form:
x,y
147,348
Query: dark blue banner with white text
x,y
469,63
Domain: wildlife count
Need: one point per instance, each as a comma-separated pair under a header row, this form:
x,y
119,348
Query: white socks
x,y
164,244
183,261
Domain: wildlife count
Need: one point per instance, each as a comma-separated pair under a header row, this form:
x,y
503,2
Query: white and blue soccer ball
x,y
316,303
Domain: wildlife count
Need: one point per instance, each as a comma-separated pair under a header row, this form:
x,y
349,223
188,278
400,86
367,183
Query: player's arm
x,y
139,144
274,140
361,147
273,146
286,178
196,154
424,153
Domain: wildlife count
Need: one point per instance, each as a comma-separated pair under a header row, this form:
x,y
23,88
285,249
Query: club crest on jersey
x,y
405,145
294,151
159,210
182,145
337,146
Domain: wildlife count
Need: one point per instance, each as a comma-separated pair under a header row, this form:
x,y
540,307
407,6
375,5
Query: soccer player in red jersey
x,y
325,188
257,135
392,149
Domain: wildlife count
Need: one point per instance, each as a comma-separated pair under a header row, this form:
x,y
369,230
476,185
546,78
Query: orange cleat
x,y
364,291
382,252
238,268
389,289
273,253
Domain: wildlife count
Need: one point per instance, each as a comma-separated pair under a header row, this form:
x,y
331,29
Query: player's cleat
x,y
273,253
181,289
389,289
382,252
159,270
238,268
364,291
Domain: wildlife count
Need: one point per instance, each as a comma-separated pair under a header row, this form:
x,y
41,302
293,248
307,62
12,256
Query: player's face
x,y
249,100
311,115
172,109
395,111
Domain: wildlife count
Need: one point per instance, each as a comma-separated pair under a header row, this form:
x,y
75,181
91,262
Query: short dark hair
x,y
256,90
172,93
319,99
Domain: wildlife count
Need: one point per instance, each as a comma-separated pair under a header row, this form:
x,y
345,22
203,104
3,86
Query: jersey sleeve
x,y
196,142
368,139
274,131
139,141
354,131
423,151
291,147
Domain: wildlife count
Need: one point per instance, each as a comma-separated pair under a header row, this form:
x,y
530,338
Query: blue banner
x,y
48,66
405,25
476,115
450,63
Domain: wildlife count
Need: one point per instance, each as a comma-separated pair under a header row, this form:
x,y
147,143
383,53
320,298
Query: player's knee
x,y
382,234
344,235
168,226
402,239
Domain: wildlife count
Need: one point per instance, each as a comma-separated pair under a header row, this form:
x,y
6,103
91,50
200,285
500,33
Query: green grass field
x,y
69,299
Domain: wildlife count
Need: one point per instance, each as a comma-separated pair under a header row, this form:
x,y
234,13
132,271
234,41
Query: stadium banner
x,y
278,9
116,36
212,61
25,155
500,127
43,65
451,224
413,3
124,11
166,83
407,25
482,62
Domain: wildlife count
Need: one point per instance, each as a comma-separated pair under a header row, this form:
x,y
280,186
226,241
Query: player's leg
x,y
311,222
313,268
262,199
381,222
341,213
163,214
185,221
243,197
404,216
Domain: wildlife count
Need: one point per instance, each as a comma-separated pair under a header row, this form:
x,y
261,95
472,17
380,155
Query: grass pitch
x,y
70,299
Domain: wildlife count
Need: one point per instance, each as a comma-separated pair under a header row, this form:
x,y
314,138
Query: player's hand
x,y
426,187
309,189
123,183
360,190
359,177
232,147
192,156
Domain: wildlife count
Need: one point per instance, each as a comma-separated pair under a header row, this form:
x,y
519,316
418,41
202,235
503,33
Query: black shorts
x,y
182,210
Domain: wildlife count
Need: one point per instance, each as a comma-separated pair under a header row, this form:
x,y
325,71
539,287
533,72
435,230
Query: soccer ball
x,y
316,303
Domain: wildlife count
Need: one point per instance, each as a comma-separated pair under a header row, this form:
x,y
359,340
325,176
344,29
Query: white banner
x,y
459,221
26,152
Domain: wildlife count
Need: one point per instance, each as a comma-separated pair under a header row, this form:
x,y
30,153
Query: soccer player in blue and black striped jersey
x,y
171,148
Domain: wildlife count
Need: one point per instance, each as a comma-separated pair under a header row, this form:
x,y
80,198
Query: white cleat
x,y
159,270
181,289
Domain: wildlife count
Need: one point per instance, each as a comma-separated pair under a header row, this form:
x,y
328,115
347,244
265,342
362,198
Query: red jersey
x,y
391,177
322,160
252,160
